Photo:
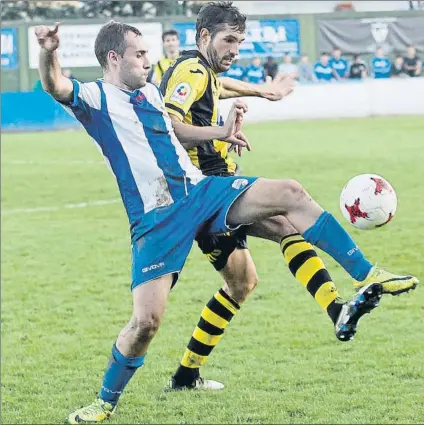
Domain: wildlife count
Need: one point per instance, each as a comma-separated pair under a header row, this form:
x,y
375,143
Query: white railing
x,y
340,100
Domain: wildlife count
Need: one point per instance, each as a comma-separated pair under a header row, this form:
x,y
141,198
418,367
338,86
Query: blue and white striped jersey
x,y
136,137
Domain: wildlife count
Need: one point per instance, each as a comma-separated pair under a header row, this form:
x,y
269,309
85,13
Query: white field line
x,y
66,206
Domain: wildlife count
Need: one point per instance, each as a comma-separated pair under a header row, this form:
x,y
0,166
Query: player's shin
x,y
329,235
118,373
214,319
310,271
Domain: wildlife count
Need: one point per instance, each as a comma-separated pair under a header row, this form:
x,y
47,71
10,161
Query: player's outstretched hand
x,y
48,38
278,88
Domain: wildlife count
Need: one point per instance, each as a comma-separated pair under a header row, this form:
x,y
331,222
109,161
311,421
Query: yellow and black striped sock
x,y
214,319
310,271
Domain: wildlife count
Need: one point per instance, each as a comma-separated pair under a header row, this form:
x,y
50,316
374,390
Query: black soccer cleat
x,y
365,300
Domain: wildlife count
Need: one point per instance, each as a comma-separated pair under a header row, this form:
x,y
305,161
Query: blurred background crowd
x,y
330,67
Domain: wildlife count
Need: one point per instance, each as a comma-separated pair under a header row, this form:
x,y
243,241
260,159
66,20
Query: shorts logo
x,y
152,267
240,183
213,256
181,93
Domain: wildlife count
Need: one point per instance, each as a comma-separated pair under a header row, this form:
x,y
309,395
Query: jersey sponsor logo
x,y
196,71
240,183
153,267
181,93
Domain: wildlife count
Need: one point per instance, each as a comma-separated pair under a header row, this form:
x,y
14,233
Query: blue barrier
x,y
34,111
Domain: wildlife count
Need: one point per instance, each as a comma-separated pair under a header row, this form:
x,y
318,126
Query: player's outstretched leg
x,y
269,198
309,269
129,351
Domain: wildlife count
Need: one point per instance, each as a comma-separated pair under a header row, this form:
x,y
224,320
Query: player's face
x,y
337,54
324,60
380,52
411,52
134,65
171,44
224,48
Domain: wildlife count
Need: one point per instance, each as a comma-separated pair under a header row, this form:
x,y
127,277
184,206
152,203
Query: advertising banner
x,y
264,38
77,44
9,48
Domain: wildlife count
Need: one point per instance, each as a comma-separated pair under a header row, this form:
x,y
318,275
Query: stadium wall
x,y
37,111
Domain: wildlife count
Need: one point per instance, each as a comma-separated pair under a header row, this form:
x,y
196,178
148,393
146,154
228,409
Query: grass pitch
x,y
66,275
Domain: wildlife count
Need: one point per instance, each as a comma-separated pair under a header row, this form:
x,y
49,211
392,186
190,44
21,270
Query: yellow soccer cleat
x,y
93,413
392,284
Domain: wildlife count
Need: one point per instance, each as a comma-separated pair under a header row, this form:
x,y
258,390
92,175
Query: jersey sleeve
x,y
186,85
86,98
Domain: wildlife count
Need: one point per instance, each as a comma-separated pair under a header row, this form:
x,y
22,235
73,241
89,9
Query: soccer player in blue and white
x,y
381,67
168,200
339,64
323,70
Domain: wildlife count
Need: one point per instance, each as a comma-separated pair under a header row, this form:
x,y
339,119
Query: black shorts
x,y
218,248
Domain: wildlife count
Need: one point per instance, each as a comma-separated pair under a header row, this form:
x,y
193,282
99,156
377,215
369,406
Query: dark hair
x,y
215,15
336,48
112,37
356,56
170,32
324,54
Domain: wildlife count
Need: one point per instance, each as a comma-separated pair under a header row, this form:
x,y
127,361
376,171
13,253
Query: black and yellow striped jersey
x,y
191,91
160,68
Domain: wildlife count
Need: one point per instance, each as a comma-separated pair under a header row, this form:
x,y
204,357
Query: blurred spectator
x,y
306,73
171,48
236,71
288,67
398,69
412,63
255,73
380,65
358,69
322,69
339,64
271,68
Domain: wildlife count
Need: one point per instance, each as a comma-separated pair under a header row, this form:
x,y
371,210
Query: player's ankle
x,y
185,375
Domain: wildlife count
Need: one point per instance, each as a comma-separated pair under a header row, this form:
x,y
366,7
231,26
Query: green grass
x,y
66,274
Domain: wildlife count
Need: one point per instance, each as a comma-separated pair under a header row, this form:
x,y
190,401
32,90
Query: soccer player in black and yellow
x,y
192,90
171,47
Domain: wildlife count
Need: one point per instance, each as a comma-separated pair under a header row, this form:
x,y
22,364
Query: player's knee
x,y
146,325
293,191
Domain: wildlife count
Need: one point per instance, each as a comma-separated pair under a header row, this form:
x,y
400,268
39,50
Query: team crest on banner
x,y
379,31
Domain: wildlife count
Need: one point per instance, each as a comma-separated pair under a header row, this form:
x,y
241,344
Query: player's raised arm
x,y
275,90
52,79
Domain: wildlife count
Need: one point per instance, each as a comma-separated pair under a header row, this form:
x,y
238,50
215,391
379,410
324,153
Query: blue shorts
x,y
169,232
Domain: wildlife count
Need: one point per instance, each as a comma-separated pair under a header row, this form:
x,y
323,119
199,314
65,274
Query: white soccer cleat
x,y
198,384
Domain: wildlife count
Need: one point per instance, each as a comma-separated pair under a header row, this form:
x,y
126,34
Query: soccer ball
x,y
368,201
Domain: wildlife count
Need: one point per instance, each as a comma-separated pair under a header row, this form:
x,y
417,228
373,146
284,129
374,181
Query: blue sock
x,y
328,235
118,373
